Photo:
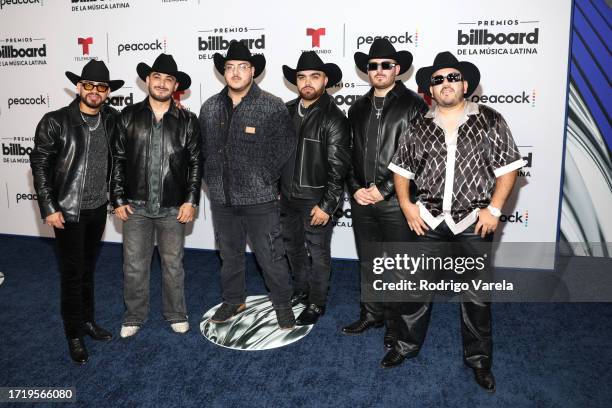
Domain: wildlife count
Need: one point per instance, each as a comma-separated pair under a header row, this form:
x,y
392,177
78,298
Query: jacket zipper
x,y
161,165
365,150
147,157
301,163
110,153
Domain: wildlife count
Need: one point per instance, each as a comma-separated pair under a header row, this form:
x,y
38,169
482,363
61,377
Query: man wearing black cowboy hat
x,y
377,120
155,190
312,181
247,137
472,147
70,164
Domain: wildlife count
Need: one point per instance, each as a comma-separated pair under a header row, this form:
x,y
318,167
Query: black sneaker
x,y
226,311
285,318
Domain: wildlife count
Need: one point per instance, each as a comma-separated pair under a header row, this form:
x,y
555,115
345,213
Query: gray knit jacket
x,y
244,152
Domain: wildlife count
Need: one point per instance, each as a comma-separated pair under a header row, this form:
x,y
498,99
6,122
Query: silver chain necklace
x,y
379,110
300,110
91,129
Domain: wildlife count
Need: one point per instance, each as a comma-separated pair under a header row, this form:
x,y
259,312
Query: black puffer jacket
x,y
322,156
181,161
401,106
58,159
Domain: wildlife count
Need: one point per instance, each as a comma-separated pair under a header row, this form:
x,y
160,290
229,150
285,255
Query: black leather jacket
x,y
401,106
58,159
181,174
322,155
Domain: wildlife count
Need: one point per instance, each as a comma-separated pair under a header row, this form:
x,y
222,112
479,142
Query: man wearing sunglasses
x,y
155,190
247,137
70,164
377,120
463,161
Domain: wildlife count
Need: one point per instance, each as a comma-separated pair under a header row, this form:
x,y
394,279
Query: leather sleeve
x,y
352,183
338,158
42,163
117,188
194,147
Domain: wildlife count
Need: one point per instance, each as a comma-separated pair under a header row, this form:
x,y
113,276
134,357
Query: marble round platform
x,y
254,329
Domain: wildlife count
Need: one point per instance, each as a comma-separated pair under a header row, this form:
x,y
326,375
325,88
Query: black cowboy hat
x,y
382,48
165,64
95,71
237,51
445,59
310,60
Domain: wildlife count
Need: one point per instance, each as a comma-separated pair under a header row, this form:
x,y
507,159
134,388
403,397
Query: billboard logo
x,y
489,38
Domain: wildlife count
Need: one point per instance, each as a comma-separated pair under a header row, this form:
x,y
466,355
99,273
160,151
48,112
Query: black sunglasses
x,y
452,77
373,66
88,86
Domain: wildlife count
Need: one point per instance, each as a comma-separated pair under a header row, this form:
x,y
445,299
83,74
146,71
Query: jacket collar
x,y
471,108
397,90
173,110
253,93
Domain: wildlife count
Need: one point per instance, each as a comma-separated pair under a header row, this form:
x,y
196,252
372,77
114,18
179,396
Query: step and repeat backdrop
x,y
521,48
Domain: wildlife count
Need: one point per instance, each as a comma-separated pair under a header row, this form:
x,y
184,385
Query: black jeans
x,y
78,246
380,222
308,248
261,222
413,318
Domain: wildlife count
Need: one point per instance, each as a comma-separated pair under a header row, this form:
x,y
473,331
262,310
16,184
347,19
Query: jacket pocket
x,y
312,172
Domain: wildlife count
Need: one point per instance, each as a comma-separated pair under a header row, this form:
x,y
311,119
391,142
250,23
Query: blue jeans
x,y
261,222
139,234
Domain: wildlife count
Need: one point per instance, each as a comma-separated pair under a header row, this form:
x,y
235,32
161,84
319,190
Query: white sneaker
x,y
128,331
180,327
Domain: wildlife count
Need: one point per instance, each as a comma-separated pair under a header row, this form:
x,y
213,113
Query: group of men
x,y
276,173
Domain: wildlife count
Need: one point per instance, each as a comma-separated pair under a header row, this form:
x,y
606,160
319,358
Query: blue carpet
x,y
546,355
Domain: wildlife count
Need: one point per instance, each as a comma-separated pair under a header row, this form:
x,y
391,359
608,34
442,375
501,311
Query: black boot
x,y
390,337
77,349
299,297
484,378
310,315
96,332
360,326
392,359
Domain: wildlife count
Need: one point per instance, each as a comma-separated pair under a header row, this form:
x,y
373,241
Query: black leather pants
x,y
412,318
380,222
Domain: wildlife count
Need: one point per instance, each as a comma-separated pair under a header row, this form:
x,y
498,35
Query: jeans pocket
x,y
277,246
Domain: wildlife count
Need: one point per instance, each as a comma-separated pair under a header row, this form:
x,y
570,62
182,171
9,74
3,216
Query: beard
x,y
158,96
310,93
448,99
90,104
